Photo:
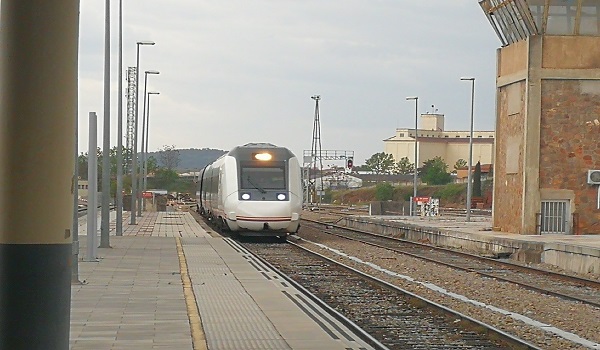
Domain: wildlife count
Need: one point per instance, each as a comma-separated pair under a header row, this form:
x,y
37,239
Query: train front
x,y
269,197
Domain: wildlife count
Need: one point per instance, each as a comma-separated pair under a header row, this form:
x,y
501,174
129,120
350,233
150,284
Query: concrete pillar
x,y
531,145
38,96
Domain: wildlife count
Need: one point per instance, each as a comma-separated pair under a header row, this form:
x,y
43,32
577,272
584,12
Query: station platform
x,y
575,253
169,283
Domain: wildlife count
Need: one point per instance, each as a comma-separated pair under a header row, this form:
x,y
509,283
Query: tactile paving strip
x,y
230,317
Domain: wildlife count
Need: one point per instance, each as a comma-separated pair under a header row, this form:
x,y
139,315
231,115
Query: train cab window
x,y
263,178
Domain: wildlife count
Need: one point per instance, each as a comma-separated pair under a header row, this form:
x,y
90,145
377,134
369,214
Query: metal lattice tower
x,y
131,101
312,195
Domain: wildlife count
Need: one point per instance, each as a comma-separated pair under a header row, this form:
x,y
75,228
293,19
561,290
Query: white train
x,y
254,190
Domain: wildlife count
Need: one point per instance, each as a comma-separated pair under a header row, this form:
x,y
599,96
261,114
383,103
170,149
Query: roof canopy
x,y
514,20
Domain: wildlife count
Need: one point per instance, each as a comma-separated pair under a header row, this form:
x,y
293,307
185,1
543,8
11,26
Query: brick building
x,y
548,111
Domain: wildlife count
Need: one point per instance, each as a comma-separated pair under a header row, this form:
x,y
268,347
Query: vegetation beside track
x,y
450,195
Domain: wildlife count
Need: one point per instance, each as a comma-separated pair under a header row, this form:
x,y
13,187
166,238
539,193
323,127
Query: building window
x,y
402,135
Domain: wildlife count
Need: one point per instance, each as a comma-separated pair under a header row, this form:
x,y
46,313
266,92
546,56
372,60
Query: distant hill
x,y
193,159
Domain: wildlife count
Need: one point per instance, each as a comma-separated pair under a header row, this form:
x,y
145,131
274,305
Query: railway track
x,y
552,323
82,211
395,317
547,282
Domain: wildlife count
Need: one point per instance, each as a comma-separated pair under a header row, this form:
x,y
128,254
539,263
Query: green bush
x,y
384,191
402,193
327,196
450,191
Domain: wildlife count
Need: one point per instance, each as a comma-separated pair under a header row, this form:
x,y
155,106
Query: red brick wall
x,y
508,188
570,144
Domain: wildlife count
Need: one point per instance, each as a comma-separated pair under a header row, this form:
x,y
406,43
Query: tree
x,y
384,192
380,163
435,172
169,157
477,180
404,166
461,163
82,164
152,165
113,160
165,178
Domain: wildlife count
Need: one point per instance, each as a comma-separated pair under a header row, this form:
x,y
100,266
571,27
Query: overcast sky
x,y
239,71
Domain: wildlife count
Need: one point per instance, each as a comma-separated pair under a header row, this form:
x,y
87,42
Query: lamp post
x,y
146,146
469,176
104,229
134,151
143,156
414,203
119,228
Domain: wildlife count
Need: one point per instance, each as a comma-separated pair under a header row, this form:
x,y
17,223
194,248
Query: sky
x,y
240,71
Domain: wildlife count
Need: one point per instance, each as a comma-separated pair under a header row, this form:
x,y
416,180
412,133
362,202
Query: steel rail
x,y
466,321
334,313
527,269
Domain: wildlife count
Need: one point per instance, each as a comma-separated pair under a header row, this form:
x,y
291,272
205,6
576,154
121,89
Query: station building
x,y
547,118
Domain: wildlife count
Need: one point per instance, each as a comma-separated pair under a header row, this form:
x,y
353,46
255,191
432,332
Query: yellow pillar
x,y
38,101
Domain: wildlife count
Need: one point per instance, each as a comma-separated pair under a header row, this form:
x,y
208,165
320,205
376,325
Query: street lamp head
x,y
467,78
316,97
153,93
152,72
412,98
146,42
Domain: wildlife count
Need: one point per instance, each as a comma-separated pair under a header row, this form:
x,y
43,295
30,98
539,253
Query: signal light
x,y
349,163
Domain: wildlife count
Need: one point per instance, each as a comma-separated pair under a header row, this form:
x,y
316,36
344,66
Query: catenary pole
x,y
105,228
469,175
413,205
119,228
134,170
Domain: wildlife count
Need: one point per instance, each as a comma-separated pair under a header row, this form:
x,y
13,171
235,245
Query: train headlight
x,y
264,156
245,196
281,196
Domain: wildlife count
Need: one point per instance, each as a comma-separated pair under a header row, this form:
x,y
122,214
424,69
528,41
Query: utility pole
x,y
315,154
119,228
104,238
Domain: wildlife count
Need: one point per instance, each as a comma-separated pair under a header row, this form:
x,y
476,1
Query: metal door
x,y
554,218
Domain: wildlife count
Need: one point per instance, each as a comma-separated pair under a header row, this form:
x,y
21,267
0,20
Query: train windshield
x,y
263,178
